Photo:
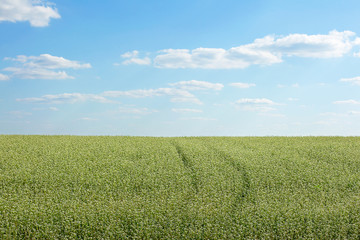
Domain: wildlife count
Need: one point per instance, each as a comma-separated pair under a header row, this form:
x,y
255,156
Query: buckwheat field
x,y
77,187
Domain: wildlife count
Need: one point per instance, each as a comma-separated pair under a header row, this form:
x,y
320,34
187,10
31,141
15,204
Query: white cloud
x,y
186,110
350,101
4,77
242,85
132,58
197,85
295,85
43,67
48,61
55,109
264,51
292,99
142,93
255,104
37,73
38,13
353,81
65,98
130,54
334,44
177,95
179,92
213,58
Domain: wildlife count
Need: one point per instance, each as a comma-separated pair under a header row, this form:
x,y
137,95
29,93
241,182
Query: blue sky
x,y
180,68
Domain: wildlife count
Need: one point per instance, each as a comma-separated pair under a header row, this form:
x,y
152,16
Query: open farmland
x,y
58,187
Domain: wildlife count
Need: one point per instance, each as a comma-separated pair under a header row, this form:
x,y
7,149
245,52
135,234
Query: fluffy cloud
x,y
4,77
197,85
255,104
132,58
242,85
49,62
334,44
142,93
43,67
178,95
38,13
193,100
66,98
263,51
213,58
37,73
350,101
353,81
179,92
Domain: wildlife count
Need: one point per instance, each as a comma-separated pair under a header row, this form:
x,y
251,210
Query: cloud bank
x,y
180,93
263,51
65,98
353,81
42,67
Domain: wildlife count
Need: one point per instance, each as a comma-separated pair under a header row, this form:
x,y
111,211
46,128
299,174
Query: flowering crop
x,y
69,187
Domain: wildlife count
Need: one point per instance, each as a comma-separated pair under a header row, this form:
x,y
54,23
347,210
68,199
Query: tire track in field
x,y
240,168
189,166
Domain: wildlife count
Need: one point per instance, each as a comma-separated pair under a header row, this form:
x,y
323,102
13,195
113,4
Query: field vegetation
x,y
77,187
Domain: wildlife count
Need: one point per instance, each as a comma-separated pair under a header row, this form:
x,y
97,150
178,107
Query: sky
x,y
180,68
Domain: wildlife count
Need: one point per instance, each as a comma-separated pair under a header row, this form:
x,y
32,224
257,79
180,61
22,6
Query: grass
x,y
68,187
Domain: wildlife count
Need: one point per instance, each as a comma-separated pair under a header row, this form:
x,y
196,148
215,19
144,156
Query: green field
x,y
68,187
